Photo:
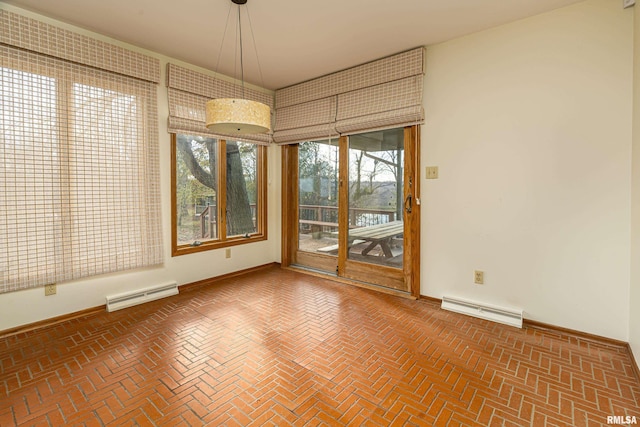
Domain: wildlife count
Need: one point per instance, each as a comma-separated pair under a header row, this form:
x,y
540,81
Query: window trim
x,y
223,241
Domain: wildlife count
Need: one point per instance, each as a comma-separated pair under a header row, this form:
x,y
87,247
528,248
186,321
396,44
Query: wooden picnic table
x,y
379,234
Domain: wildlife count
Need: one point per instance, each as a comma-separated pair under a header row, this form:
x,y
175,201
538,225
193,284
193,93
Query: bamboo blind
x,y
79,160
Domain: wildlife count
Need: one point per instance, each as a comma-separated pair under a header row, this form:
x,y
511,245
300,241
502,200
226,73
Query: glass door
x,y
374,203
318,168
350,207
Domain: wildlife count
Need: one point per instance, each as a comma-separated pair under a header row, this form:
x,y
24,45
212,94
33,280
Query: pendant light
x,y
238,116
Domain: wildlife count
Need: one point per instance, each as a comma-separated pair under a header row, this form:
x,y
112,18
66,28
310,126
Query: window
x,y
218,193
79,173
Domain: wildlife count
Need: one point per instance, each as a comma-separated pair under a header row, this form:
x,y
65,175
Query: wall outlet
x,y
432,172
227,253
50,289
478,277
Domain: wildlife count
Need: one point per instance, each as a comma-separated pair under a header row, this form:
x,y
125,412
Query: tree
x,y
200,156
250,168
189,191
314,163
239,217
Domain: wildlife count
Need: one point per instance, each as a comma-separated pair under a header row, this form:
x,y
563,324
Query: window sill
x,y
217,244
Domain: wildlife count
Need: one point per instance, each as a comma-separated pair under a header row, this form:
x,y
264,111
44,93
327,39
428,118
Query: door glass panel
x,y
318,197
376,229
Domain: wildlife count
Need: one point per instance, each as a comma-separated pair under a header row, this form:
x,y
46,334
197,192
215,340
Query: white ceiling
x,y
296,39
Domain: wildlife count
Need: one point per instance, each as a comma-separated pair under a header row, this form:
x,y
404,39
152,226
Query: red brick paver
x,y
277,347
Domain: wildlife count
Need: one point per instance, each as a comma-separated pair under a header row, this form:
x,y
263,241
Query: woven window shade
x,y
397,103
189,92
314,119
79,177
36,36
380,94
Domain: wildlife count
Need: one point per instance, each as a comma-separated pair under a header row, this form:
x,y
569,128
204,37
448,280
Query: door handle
x,y
408,203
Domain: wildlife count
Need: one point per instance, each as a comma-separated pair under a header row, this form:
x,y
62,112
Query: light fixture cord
x,y
241,61
224,34
255,48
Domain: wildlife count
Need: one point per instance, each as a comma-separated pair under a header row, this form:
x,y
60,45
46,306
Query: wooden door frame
x,y
289,194
290,255
412,227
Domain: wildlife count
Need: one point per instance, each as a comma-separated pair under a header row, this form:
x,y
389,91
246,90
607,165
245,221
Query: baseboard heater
x,y
496,314
140,296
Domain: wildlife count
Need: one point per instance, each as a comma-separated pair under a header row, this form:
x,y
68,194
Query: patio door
x,y
350,208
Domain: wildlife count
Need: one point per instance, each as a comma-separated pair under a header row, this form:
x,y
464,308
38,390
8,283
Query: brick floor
x,y
277,347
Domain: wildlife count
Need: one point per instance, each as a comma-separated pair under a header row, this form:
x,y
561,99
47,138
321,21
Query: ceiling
x,y
296,40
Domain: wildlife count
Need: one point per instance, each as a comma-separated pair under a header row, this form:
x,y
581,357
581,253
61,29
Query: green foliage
x,y
318,168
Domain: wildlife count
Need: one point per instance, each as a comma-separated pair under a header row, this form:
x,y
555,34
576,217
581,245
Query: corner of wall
x,y
634,289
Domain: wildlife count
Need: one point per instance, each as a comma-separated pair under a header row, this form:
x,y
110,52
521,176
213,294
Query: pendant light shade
x,y
237,116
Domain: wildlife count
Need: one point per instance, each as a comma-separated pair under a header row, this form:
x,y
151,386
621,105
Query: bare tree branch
x,y
206,178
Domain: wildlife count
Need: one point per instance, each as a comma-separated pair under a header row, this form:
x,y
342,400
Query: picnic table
x,y
378,234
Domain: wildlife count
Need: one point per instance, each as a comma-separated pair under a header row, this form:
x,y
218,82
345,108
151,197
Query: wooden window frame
x,y
222,241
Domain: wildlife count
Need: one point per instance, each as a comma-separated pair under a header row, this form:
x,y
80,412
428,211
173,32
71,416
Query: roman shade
x,y
189,92
36,36
79,179
309,120
380,94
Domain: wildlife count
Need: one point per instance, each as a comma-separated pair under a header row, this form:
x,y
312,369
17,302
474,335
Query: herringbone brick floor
x,y
277,347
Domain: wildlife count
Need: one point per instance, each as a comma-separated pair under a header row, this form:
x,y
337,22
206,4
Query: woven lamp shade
x,y
237,116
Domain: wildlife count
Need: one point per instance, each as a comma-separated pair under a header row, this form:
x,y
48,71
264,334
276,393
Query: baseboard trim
x,y
574,333
52,321
433,300
205,282
102,308
555,329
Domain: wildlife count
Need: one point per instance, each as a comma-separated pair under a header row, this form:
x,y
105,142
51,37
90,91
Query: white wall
x,y
28,306
634,298
530,125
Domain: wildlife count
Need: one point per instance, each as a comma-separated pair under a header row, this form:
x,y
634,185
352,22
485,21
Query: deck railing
x,y
315,218
209,218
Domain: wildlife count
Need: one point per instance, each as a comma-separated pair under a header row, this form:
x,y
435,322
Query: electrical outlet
x,y
50,289
227,253
432,172
478,277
